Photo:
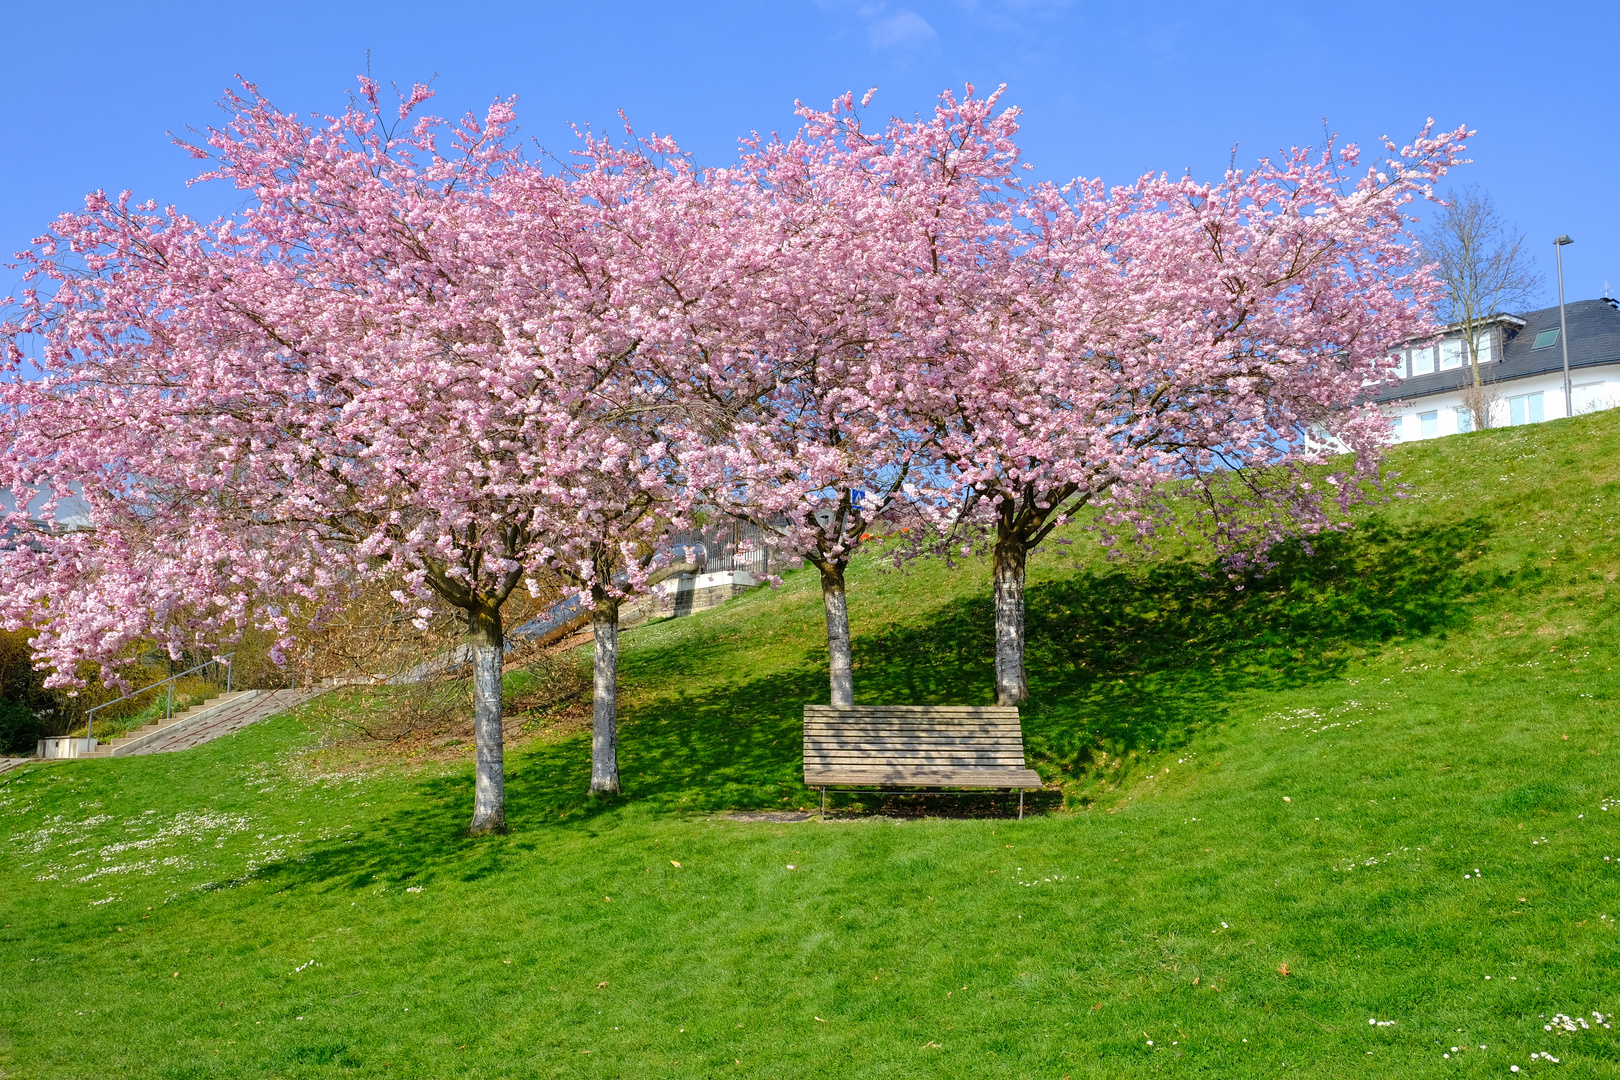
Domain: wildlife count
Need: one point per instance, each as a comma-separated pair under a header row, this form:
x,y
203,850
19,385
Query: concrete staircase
x,y
163,730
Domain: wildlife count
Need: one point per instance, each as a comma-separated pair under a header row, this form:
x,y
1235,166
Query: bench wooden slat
x,y
878,745
915,721
878,740
1010,731
875,768
922,721
912,756
911,718
899,769
880,776
909,738
997,777
920,763
911,710
944,753
891,753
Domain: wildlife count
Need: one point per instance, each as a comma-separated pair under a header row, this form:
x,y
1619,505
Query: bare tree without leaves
x,y
1486,270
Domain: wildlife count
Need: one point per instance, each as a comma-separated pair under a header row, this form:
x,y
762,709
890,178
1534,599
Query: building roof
x,y
1594,338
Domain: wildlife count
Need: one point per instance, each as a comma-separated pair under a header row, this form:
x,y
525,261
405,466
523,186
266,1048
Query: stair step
x,y
225,707
112,747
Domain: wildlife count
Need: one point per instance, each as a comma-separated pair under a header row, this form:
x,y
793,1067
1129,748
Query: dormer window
x,y
1451,353
1546,339
1423,360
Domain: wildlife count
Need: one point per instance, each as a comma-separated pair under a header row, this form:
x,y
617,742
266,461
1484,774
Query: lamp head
x,y
1562,240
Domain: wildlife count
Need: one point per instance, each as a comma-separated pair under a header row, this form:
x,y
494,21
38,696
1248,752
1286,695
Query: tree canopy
x,y
415,353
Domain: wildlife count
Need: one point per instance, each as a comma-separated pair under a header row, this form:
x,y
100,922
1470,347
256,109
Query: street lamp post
x,y
1563,330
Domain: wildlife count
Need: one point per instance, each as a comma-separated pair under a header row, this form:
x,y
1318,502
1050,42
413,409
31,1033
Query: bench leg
x,y
1020,804
823,804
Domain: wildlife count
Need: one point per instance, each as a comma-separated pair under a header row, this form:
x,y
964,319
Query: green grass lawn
x,y
1375,784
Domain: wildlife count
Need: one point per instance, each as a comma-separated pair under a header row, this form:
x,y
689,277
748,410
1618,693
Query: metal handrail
x,y
168,712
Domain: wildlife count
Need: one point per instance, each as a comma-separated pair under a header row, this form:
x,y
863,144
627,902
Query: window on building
x,y
1526,409
1485,347
1546,339
1428,424
1451,354
1423,360
1590,397
1465,419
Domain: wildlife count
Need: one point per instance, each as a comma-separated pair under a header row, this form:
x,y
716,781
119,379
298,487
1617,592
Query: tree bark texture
x,y
489,783
1008,570
833,600
605,698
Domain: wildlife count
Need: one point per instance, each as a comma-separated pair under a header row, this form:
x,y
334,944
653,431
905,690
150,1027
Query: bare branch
x,y
1486,270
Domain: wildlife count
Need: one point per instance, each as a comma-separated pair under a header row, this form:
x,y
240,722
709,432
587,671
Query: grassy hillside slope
x,y
1375,784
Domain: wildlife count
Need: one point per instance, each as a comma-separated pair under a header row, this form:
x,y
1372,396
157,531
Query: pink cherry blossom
x,y
383,365
415,354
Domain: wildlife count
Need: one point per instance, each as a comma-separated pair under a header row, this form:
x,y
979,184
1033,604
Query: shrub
x,y
19,727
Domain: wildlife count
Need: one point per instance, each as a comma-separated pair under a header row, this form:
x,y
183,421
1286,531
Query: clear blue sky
x,y
1107,90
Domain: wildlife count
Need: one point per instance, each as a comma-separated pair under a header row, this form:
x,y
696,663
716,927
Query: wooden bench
x,y
885,746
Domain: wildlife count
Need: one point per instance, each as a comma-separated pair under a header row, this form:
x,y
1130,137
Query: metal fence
x,y
717,548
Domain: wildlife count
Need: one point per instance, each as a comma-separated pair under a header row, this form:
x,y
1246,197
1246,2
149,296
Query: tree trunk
x,y
837,608
1008,569
489,785
605,698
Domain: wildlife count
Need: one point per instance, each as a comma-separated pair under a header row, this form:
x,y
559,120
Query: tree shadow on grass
x,y
738,746
1141,657
1126,659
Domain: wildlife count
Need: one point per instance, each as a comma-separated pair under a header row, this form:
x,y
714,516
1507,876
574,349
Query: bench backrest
x,y
913,736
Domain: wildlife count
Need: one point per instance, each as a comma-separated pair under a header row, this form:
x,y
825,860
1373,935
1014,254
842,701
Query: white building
x,y
1521,361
